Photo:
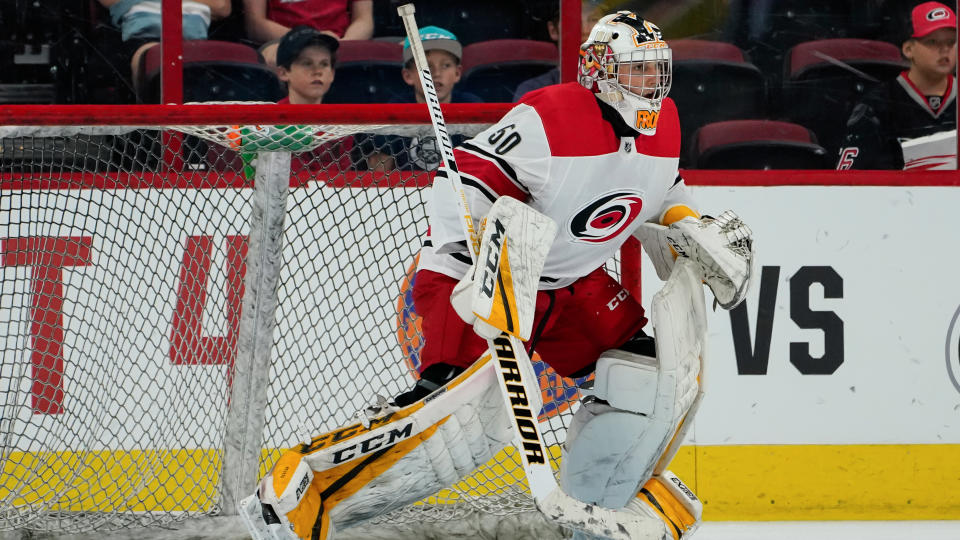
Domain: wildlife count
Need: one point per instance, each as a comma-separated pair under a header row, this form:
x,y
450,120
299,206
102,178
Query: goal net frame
x,y
485,503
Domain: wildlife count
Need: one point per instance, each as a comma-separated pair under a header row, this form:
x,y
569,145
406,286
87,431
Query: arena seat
x,y
713,81
824,79
757,144
368,71
493,69
213,71
766,30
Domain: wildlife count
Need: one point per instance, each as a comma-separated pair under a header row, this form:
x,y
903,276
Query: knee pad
x,y
621,429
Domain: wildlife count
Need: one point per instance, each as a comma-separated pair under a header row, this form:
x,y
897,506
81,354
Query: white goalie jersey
x,y
572,158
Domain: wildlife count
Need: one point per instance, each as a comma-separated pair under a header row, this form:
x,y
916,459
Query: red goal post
x,y
183,307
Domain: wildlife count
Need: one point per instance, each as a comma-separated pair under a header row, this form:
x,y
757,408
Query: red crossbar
x,y
233,114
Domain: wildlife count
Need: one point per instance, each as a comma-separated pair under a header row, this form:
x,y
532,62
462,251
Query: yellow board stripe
x,y
735,483
827,482
112,481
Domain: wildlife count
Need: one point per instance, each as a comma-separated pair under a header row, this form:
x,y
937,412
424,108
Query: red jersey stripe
x,y
493,176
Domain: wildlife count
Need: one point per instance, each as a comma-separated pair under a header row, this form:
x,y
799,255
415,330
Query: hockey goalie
x,y
561,182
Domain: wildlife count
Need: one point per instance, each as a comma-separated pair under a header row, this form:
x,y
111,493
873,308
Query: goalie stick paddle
x,y
515,371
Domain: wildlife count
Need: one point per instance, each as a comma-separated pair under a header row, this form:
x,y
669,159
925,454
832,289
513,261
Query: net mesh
x,y
123,265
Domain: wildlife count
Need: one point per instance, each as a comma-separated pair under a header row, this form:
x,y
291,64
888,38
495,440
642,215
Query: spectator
x,y
268,20
139,24
306,62
590,13
920,101
443,52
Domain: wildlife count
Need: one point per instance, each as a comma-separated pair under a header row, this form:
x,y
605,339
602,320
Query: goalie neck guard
x,y
626,63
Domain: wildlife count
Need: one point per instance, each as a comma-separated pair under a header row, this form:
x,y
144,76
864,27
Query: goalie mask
x,y
626,63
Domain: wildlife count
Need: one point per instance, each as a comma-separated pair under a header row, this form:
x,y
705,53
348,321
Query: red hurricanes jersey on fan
x,y
560,152
330,15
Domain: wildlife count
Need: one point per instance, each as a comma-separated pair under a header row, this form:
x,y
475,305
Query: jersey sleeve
x,y
678,203
864,146
509,158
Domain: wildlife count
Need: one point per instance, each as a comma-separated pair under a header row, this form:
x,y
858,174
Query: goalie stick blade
x,y
251,511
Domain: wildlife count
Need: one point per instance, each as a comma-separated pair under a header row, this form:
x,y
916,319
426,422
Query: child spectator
x,y
306,61
920,101
443,52
268,20
139,24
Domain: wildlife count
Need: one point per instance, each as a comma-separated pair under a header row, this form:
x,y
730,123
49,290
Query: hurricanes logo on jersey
x,y
606,217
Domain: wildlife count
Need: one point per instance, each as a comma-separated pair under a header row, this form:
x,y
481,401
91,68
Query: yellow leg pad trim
x,y
284,469
673,530
351,477
675,512
355,430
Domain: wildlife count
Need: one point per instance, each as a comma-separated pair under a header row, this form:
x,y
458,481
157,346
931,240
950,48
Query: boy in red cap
x,y
920,101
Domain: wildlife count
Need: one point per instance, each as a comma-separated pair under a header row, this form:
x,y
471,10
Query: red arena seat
x,y
713,81
213,71
757,144
493,69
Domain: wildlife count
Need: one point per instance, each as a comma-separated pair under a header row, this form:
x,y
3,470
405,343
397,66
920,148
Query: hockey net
x,y
182,303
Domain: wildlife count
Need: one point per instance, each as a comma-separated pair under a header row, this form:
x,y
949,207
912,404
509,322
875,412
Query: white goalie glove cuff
x,y
653,238
723,248
462,301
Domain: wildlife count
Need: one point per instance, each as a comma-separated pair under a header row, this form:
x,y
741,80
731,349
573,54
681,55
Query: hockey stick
x,y
514,369
507,349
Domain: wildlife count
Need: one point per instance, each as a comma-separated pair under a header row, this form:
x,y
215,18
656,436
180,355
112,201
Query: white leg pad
x,y
640,405
612,447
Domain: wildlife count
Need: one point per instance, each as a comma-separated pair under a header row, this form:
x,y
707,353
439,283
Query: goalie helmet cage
x,y
188,290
